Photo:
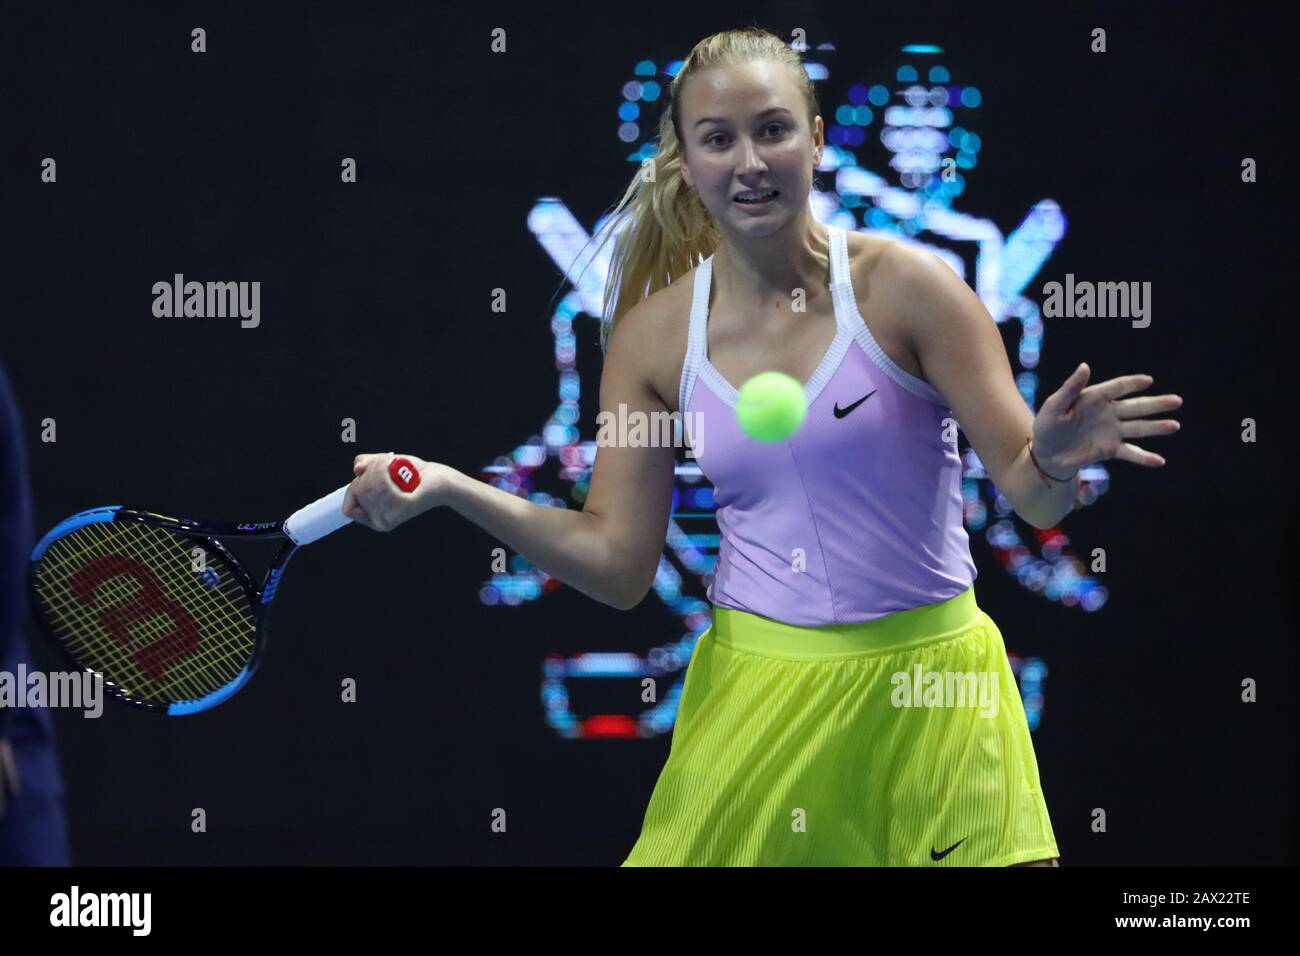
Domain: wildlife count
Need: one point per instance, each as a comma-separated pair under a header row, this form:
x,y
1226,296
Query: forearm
x,y
568,545
1043,502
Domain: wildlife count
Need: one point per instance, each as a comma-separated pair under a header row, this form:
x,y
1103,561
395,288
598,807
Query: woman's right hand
x,y
375,501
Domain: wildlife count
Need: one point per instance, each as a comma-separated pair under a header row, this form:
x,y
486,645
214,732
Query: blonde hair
x,y
665,229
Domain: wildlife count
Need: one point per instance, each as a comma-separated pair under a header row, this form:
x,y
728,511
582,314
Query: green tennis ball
x,y
771,407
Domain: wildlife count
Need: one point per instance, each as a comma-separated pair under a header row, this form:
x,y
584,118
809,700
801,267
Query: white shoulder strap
x,y
697,338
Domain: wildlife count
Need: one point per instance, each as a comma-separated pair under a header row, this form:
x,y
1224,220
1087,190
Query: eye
x,y
709,140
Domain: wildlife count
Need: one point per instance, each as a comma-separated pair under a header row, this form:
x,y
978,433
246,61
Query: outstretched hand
x,y
1077,426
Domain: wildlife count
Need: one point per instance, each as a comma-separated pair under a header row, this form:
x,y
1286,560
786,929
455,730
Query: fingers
x,y
1134,454
360,517
352,508
1119,387
372,483
362,462
1071,388
1147,405
1144,428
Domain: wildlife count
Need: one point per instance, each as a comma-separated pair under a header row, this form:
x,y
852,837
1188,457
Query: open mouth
x,y
757,198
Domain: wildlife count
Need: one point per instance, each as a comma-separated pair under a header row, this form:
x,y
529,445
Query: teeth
x,y
747,197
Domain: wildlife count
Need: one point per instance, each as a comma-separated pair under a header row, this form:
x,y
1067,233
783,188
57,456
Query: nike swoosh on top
x,y
936,855
841,412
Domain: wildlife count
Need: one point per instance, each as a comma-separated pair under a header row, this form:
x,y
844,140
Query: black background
x,y
375,304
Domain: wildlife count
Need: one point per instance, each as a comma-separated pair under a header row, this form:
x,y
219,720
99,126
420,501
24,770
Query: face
x,y
745,130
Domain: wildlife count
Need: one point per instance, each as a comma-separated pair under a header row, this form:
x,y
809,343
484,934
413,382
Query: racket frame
x,y
206,534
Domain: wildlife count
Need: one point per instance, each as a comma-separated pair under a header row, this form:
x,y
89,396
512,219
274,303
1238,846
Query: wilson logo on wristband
x,y
404,474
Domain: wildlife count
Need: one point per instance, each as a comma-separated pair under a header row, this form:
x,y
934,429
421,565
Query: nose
x,y
750,162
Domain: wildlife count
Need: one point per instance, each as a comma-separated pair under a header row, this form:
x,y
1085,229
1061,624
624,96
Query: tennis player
x,y
851,703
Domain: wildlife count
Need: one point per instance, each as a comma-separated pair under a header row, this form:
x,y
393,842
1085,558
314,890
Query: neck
x,y
763,273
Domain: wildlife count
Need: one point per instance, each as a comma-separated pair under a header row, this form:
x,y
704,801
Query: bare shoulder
x,y
896,269
888,276
652,335
865,251
911,293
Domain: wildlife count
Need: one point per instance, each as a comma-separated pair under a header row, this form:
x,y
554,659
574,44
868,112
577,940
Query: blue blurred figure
x,y
32,827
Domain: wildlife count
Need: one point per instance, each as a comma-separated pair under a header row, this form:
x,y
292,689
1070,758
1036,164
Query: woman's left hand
x,y
1077,426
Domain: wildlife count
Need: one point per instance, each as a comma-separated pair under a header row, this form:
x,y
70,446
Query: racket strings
x,y
125,600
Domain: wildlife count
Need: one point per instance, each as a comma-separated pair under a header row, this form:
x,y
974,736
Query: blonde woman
x,y
850,704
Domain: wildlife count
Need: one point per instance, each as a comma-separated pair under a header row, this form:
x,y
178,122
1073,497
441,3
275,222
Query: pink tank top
x,y
856,515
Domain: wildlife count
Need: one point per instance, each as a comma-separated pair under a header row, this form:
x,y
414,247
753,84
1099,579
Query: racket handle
x,y
323,516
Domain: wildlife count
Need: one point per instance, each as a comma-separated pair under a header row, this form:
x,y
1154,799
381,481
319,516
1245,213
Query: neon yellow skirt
x,y
895,742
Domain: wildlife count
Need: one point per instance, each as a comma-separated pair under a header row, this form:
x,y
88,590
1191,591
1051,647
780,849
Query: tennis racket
x,y
159,607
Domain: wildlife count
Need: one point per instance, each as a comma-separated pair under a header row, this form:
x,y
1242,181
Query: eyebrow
x,y
719,119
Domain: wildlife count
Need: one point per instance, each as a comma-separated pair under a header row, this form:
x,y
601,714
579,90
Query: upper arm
x,y
631,487
961,354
